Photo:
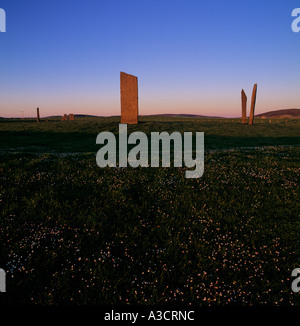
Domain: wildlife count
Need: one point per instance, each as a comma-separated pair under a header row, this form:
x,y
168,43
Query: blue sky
x,y
190,56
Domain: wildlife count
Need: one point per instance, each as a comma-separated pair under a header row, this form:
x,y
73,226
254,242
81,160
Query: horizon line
x,y
149,115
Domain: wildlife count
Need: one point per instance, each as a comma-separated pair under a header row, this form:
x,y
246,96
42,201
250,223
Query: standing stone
x,y
65,117
37,115
129,98
244,107
253,102
71,117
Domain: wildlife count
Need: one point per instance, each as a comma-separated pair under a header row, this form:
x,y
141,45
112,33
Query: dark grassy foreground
x,y
74,233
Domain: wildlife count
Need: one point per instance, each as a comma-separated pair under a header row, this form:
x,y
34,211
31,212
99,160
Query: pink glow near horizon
x,y
146,107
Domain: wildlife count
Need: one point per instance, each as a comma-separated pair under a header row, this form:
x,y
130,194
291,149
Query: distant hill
x,y
284,114
86,115
171,115
287,113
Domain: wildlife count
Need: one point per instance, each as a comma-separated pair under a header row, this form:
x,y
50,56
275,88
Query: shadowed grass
x,y
80,135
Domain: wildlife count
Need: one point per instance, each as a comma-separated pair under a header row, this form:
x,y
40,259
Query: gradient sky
x,y
190,56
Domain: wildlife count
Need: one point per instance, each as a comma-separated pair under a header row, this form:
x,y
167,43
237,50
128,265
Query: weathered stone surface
x,y
244,107
65,117
71,117
37,115
129,98
253,102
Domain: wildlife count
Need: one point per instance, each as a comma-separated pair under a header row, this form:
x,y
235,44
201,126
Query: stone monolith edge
x,y
129,98
244,107
37,115
253,102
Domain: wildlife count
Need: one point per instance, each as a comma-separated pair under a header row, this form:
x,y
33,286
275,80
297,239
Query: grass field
x,y
73,233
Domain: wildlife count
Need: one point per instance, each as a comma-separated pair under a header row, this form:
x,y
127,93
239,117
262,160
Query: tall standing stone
x,y
244,107
37,115
65,117
129,98
253,102
71,117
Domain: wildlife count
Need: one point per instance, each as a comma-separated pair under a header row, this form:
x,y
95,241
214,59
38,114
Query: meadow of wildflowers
x,y
72,233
